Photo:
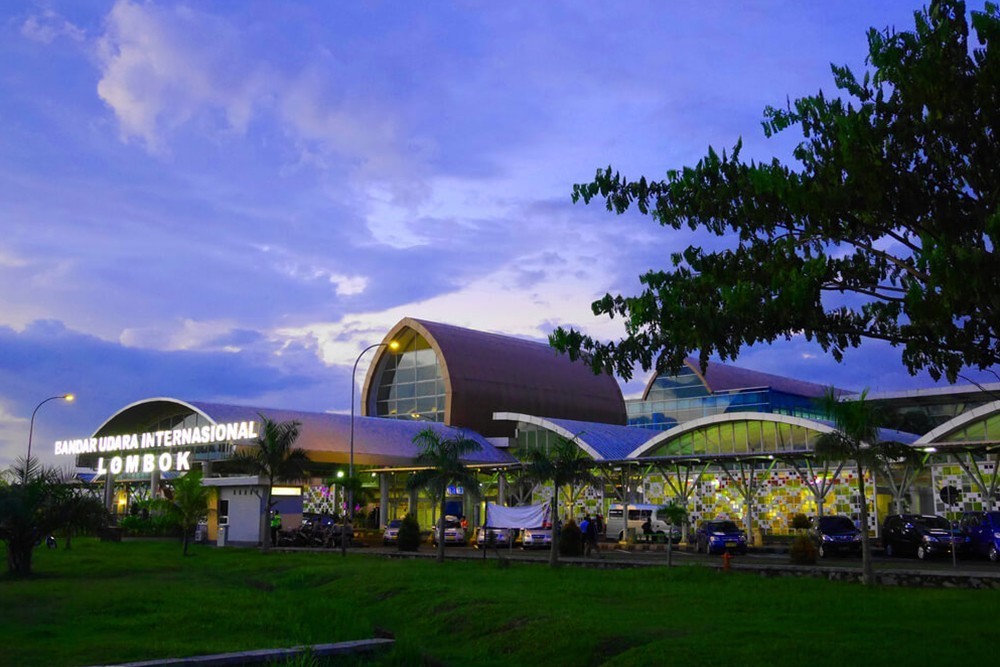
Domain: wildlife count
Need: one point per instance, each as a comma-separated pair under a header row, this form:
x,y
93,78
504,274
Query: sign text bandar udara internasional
x,y
148,461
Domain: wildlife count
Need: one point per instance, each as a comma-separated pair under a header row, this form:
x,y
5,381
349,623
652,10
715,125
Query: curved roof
x,y
325,437
604,442
665,437
719,377
486,373
980,415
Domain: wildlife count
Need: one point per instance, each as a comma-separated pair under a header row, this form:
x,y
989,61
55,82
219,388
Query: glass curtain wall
x,y
409,383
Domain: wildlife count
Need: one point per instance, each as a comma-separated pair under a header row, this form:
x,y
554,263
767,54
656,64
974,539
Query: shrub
x,y
409,534
803,551
801,522
571,539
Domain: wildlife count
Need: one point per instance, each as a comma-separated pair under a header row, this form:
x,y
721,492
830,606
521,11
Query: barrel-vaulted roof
x,y
603,442
719,378
324,436
487,372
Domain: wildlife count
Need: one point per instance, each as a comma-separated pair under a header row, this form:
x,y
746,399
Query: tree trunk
x,y
867,569
267,519
670,545
554,551
69,539
19,557
185,542
444,494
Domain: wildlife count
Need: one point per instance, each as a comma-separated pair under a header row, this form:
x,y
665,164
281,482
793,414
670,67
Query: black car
x,y
923,535
836,535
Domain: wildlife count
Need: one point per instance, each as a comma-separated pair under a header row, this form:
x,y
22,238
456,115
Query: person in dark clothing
x,y
590,539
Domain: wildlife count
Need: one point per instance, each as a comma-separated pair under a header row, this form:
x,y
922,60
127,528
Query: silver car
x,y
537,538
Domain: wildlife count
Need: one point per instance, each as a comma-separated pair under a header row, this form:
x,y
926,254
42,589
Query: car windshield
x,y
395,523
835,523
452,523
725,527
934,522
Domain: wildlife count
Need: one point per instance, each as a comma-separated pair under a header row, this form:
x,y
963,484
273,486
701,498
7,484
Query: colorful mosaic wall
x,y
951,474
781,495
321,499
588,501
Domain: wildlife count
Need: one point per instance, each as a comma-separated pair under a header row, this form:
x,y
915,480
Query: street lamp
x,y
392,345
31,427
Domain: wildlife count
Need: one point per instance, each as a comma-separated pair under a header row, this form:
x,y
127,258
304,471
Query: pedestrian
x,y
583,532
599,520
590,539
275,526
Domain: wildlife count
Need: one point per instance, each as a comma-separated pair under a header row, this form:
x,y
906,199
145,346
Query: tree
x,y
564,464
274,457
441,459
857,438
29,511
354,491
189,503
885,230
80,512
676,514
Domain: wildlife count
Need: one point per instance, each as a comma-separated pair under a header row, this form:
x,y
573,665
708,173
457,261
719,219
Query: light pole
x,y
392,345
31,429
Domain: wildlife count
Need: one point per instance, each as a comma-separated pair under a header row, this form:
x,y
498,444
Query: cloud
x,y
49,26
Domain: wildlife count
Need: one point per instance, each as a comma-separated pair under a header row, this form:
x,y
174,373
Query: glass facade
x,y
408,382
980,430
739,437
677,399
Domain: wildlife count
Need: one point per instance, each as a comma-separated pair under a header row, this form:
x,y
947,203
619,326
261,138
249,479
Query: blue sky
x,y
227,201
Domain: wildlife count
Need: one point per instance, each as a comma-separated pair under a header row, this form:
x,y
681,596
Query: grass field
x,y
102,603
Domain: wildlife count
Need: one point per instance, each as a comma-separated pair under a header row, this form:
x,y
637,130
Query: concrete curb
x,y
267,655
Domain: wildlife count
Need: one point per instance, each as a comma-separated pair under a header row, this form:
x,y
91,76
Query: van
x,y
637,515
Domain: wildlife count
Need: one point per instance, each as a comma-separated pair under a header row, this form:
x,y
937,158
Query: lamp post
x,y
31,428
392,345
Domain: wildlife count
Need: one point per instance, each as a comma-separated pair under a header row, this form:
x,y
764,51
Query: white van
x,y
614,528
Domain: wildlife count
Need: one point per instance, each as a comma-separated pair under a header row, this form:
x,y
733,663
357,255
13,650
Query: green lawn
x,y
104,603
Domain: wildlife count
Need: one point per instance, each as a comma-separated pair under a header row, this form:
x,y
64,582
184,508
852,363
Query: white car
x,y
453,531
502,537
391,534
537,538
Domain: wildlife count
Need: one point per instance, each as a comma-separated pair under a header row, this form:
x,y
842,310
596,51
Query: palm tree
x,y
564,465
189,503
29,500
857,438
275,457
676,515
442,461
79,512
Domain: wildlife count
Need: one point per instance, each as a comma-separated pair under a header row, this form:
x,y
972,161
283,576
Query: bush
x,y
571,539
801,522
409,534
803,551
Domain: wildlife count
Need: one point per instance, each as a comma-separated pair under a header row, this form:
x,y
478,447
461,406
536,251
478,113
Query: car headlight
x,y
996,536
930,538
827,538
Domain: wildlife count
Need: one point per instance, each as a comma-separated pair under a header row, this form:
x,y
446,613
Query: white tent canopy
x,y
528,516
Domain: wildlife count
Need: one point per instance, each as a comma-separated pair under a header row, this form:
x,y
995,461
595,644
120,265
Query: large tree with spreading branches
x,y
883,228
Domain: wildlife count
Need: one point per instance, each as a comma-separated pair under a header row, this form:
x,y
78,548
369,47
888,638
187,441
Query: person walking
x,y
590,539
583,533
275,526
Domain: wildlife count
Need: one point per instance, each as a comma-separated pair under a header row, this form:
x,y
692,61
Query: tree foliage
x,y
189,503
441,459
885,229
274,457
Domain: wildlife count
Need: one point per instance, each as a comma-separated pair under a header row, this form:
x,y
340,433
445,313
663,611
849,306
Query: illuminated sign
x,y
158,460
178,437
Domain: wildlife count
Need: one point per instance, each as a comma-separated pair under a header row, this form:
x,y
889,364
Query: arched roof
x,y
603,442
780,424
325,437
719,377
486,373
976,422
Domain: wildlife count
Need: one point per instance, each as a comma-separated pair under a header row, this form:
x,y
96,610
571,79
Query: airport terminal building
x,y
727,442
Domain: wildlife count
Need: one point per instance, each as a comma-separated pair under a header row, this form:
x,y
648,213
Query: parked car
x,y
391,534
719,536
983,531
453,531
923,535
501,537
835,535
536,538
